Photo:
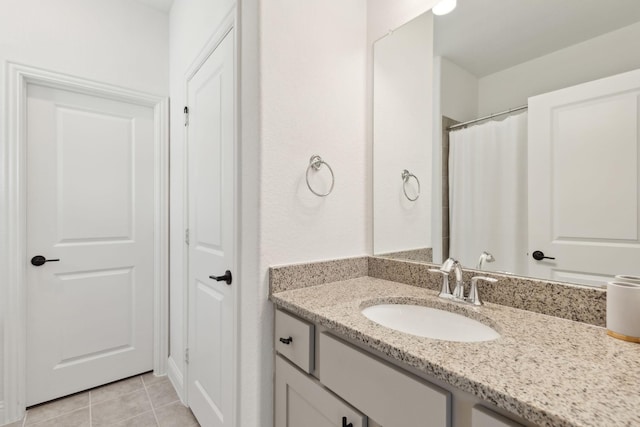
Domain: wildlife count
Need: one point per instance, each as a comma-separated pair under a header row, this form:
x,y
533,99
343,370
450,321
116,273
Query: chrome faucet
x,y
445,270
458,292
484,257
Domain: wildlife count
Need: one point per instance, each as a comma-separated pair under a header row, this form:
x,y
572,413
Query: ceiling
x,y
485,36
163,5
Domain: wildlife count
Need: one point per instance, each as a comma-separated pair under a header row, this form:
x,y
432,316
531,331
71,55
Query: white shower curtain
x,y
488,194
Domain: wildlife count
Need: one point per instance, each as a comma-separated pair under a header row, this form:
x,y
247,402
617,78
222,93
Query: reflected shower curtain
x,y
488,194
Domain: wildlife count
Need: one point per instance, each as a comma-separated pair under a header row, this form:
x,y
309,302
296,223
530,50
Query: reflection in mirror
x,y
403,66
530,144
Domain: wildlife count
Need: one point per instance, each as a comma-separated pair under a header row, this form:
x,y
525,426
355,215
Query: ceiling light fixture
x,y
444,6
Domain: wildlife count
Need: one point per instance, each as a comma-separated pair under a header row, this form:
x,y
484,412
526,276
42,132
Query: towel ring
x,y
315,163
406,175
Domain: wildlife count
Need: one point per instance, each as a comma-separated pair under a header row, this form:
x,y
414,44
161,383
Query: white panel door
x,y
584,182
211,137
90,207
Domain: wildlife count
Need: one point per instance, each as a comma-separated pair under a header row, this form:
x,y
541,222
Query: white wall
x,y
119,42
402,131
313,68
603,56
255,394
385,15
458,92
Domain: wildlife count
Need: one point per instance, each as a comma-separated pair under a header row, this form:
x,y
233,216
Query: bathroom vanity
x,y
551,194
334,366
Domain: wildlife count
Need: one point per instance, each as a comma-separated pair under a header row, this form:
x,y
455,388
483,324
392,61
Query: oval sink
x,y
430,323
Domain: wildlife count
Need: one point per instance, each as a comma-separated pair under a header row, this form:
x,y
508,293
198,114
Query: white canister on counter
x,y
623,310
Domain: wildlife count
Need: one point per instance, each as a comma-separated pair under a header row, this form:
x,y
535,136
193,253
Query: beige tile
x,y
16,424
162,393
113,390
57,407
119,409
145,420
79,418
175,415
150,378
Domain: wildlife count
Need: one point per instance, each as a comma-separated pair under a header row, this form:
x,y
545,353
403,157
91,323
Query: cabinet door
x,y
389,395
482,417
300,401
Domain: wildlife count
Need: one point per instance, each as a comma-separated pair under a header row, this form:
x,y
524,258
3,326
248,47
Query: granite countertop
x,y
547,370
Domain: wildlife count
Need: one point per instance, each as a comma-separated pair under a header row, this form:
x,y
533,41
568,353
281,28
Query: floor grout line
x,y
24,422
171,403
119,395
153,410
133,416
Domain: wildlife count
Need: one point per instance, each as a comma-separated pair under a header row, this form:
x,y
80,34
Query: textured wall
x,y
313,88
313,68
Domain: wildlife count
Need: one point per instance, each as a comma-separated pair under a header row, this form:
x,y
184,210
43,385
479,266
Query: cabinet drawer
x,y
294,340
391,397
301,401
483,417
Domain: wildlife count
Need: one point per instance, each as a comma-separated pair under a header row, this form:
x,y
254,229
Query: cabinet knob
x,y
344,422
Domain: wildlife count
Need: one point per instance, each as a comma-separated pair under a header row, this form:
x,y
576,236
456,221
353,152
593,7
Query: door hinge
x,y
186,356
186,236
186,116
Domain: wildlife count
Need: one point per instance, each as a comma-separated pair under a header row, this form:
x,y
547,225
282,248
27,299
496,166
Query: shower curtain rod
x,y
490,116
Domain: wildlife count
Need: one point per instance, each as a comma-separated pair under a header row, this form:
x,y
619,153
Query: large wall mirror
x,y
507,136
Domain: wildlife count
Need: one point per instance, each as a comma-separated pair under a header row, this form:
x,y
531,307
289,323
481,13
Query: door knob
x,y
39,260
344,422
539,256
225,278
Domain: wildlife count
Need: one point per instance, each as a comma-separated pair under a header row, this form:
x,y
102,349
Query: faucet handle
x,y
445,291
474,294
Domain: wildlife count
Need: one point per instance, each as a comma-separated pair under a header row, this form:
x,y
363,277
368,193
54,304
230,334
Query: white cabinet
x,y
482,417
301,401
354,387
294,340
386,394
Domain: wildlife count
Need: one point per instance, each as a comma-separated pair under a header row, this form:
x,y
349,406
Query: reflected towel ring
x,y
406,175
315,163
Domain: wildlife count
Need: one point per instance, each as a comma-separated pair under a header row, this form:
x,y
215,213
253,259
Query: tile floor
x,y
141,401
